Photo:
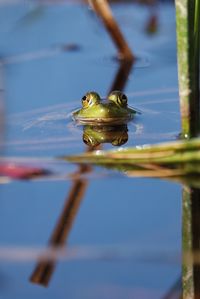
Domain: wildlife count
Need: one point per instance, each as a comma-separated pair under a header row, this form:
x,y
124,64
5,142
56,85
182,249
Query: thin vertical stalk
x,y
103,10
187,18
197,44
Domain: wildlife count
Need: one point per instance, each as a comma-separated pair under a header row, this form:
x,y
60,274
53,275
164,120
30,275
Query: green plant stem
x,y
187,19
197,46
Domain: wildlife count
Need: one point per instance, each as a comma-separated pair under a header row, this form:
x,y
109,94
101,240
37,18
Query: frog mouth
x,y
103,121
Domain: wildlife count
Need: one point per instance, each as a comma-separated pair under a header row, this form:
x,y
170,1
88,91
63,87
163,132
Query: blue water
x,y
42,85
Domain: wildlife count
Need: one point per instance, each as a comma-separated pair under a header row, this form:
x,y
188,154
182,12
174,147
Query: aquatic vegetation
x,y
187,19
178,158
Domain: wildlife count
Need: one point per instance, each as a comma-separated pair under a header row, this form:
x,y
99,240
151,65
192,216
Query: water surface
x,y
125,234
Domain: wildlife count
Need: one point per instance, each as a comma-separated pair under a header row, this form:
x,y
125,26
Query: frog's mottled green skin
x,y
95,135
95,110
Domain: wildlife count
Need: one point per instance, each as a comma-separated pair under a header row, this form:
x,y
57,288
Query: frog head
x,y
97,111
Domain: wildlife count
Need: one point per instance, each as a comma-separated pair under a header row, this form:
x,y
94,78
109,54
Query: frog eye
x,y
124,100
90,99
88,140
119,98
121,139
85,102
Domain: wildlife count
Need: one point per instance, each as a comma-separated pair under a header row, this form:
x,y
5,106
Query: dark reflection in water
x,y
92,136
191,242
121,76
44,269
195,201
96,135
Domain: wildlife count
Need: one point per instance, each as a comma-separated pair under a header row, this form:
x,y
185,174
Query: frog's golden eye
x,y
90,99
119,98
85,101
90,141
121,139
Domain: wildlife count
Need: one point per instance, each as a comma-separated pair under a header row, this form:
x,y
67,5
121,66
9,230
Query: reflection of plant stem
x,y
195,203
121,76
44,269
187,268
191,242
102,9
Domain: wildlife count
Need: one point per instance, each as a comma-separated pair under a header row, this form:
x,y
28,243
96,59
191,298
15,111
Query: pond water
x,y
122,235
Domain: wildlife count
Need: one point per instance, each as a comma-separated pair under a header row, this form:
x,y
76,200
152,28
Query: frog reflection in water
x,y
95,135
97,111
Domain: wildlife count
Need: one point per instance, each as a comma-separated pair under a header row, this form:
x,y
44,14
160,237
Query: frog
x,y
117,135
111,111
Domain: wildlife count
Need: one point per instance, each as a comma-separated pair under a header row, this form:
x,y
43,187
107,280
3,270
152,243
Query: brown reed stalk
x,y
102,9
